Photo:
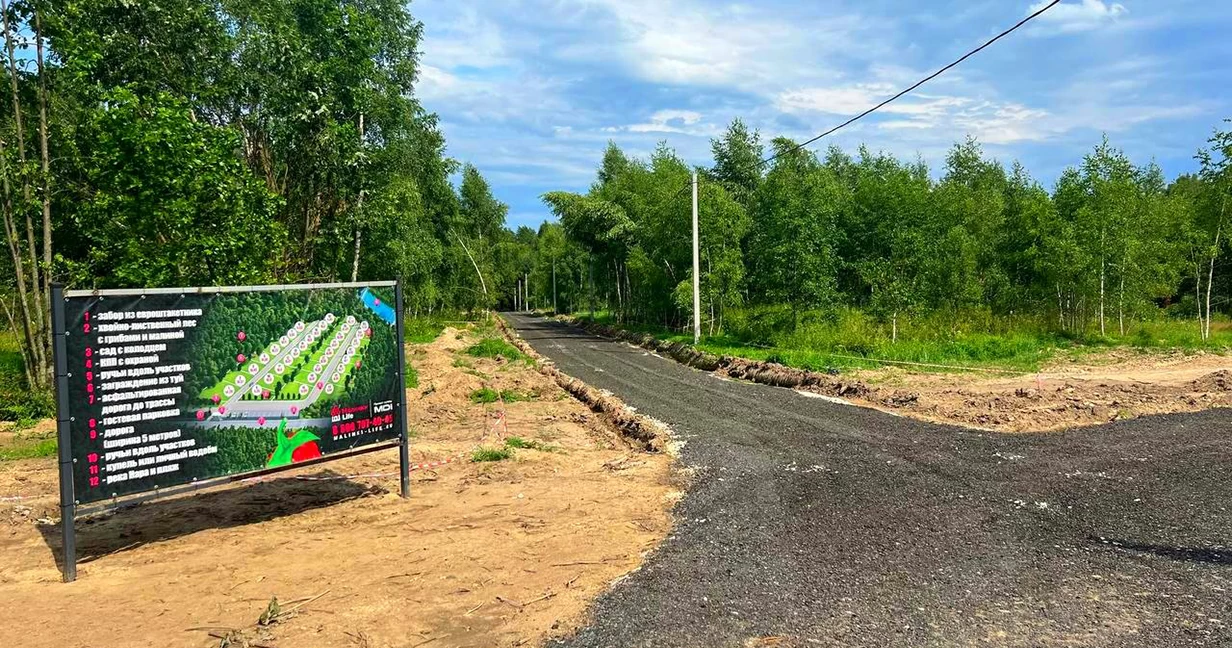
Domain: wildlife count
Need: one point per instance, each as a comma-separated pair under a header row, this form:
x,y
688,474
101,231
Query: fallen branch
x,y
298,606
545,597
509,602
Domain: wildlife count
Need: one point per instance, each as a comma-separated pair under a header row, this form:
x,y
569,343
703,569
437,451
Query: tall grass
x,y
850,338
19,403
494,347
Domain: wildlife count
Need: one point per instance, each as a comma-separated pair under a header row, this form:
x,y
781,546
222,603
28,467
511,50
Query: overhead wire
x,y
911,88
890,100
915,85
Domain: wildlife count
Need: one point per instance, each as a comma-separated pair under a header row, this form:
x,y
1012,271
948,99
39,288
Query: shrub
x,y
527,444
494,348
491,454
485,395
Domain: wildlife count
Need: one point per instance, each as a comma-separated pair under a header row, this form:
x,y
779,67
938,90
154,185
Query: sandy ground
x,y
494,554
1098,388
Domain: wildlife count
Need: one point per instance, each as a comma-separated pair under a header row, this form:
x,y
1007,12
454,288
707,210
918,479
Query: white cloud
x,y
731,46
855,99
1073,17
524,98
684,122
467,39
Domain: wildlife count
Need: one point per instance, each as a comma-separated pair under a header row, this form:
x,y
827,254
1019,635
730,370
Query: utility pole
x,y
526,292
697,297
554,311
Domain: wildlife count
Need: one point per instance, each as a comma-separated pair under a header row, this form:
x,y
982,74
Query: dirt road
x,y
815,523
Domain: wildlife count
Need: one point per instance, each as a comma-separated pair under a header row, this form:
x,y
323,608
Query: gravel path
x,y
816,523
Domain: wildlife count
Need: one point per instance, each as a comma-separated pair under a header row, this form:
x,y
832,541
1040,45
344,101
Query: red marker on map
x,y
241,336
240,358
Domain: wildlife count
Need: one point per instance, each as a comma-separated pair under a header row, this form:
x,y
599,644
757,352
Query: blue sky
x,y
530,91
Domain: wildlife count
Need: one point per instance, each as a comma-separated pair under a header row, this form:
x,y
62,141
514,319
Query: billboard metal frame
x,y
70,511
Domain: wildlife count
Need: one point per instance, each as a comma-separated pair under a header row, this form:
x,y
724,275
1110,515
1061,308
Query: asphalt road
x,y
833,525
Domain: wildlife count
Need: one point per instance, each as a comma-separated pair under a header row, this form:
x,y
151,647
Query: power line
x,y
915,85
900,94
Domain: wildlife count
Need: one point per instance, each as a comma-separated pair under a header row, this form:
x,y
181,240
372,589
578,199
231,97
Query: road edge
x,y
757,371
647,433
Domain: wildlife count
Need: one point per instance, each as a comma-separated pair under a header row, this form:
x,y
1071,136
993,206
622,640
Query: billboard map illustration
x,y
167,388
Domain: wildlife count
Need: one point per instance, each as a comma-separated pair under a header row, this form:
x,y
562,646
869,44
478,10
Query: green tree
x,y
163,182
793,255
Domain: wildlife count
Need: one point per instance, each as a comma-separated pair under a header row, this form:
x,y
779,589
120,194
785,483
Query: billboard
x,y
172,387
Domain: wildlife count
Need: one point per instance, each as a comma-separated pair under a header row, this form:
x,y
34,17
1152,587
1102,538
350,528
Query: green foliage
x,y
528,444
162,181
484,395
28,449
423,329
488,395
800,245
494,348
18,402
203,143
481,455
412,377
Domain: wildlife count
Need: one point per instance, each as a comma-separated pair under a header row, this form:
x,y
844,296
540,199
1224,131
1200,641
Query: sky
x,y
531,91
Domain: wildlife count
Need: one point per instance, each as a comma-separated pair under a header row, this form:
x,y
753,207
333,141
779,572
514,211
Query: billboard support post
x,y
404,448
68,504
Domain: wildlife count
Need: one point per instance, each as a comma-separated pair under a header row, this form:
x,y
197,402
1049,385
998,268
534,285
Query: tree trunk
x,y
1102,277
1121,305
8,312
482,284
616,283
1060,308
38,324
29,351
46,160
1210,280
1198,301
359,211
894,327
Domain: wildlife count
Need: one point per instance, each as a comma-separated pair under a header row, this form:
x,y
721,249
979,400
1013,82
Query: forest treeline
x,y
211,142
215,142
806,235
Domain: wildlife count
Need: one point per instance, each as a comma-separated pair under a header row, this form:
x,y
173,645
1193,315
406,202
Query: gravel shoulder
x,y
810,522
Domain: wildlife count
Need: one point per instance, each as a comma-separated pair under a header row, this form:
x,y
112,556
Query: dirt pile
x,y
1216,381
1116,384
504,553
